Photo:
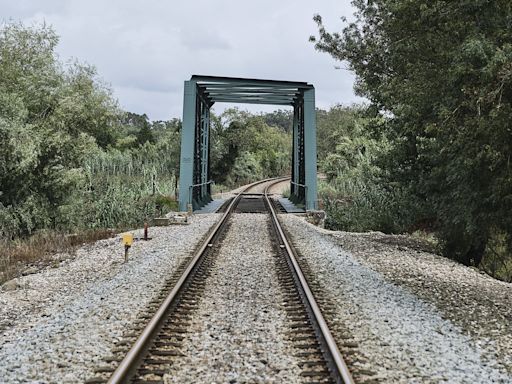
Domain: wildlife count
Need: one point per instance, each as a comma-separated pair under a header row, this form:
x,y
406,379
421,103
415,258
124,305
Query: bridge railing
x,y
301,186
191,189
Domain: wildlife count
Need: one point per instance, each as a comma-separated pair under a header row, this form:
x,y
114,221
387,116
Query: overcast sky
x,y
146,49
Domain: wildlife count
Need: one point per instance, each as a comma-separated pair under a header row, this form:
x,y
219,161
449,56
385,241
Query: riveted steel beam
x,y
205,98
237,80
251,92
295,152
246,86
201,92
256,98
187,143
268,102
310,148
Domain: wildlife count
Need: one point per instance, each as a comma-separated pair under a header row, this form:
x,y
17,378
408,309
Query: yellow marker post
x,y
127,241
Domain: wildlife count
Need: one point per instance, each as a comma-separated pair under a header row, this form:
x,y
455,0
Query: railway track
x,y
148,354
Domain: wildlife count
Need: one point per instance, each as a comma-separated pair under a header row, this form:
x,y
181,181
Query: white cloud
x,y
146,49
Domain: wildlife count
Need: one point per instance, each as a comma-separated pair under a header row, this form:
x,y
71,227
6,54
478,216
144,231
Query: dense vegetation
x,y
244,148
438,76
430,151
72,160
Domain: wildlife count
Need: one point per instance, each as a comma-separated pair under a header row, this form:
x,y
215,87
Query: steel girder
x,y
201,92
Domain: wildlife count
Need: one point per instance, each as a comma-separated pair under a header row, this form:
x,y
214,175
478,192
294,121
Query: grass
x,y
118,190
497,260
39,249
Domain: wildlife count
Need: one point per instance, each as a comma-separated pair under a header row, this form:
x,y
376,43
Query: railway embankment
x,y
57,324
399,313
405,313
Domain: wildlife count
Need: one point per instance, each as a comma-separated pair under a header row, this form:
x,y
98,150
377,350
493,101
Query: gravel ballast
x,y
238,333
59,323
402,331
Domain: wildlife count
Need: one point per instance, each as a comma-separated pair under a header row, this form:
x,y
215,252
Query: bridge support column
x,y
295,153
303,186
205,131
195,148
310,148
187,144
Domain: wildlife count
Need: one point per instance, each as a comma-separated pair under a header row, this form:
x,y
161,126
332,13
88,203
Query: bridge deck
x,y
289,206
211,207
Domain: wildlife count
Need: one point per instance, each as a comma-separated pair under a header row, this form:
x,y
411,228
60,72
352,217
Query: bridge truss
x,y
201,92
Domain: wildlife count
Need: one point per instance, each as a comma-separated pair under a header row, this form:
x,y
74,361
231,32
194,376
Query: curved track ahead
x,y
332,355
145,361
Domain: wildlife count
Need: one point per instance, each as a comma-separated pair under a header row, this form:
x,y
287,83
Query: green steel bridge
x,y
201,92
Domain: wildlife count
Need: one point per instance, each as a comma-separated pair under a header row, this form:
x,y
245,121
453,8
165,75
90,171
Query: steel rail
x,y
342,373
128,365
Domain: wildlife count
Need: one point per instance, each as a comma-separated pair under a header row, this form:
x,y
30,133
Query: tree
x,y
334,126
140,127
51,119
282,119
440,73
239,139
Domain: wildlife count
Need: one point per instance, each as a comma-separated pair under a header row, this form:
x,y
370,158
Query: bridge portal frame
x,y
202,92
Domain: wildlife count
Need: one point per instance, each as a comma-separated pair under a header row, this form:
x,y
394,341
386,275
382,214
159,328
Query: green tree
x,y
282,119
440,73
51,119
240,139
140,127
